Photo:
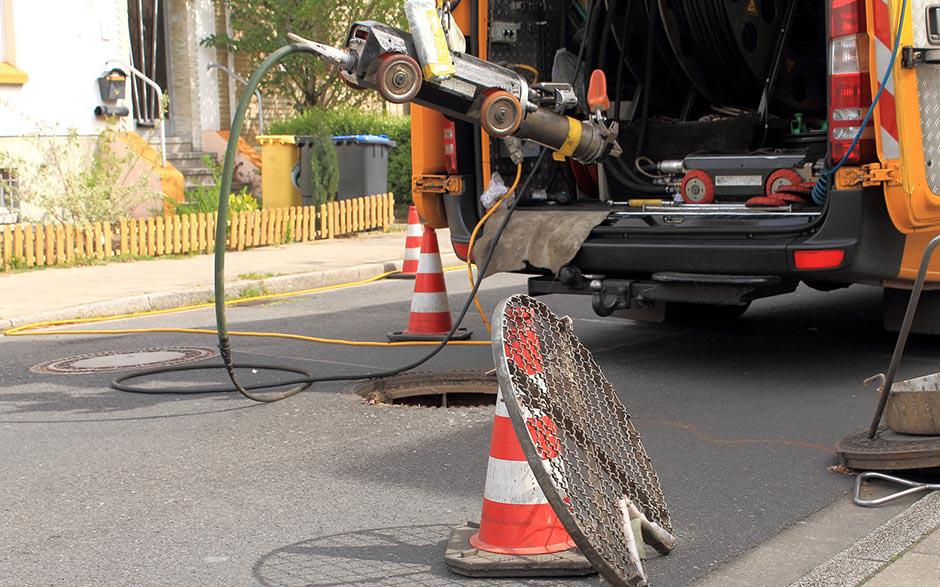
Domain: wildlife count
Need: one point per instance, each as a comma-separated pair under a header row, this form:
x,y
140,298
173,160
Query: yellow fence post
x,y
50,244
161,235
59,244
106,233
7,245
18,238
89,242
210,231
40,245
69,242
151,237
96,241
185,232
80,241
28,244
257,235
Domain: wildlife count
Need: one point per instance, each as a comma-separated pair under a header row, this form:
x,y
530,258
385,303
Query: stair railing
x,y
143,108
244,82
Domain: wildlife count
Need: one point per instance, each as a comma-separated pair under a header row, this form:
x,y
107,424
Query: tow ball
x,y
383,58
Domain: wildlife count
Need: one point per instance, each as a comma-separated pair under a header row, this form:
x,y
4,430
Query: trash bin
x,y
363,164
280,167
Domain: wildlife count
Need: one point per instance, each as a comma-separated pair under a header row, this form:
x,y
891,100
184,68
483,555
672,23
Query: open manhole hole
x,y
113,361
439,389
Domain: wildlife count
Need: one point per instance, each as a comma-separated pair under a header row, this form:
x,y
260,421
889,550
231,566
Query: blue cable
x,y
824,183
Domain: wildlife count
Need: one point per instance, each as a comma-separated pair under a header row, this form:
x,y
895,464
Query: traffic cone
x,y
516,516
430,312
519,534
413,236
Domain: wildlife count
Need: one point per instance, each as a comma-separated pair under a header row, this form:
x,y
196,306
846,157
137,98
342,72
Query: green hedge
x,y
349,121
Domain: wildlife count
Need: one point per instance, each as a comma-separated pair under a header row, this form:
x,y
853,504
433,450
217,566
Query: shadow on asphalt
x,y
380,557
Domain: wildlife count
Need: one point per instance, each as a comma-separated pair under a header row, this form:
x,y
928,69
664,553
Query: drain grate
x,y
114,361
432,389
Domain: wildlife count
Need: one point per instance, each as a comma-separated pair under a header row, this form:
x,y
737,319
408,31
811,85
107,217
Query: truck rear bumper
x,y
856,222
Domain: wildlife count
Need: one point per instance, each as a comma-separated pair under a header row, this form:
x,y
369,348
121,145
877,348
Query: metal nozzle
x,y
343,58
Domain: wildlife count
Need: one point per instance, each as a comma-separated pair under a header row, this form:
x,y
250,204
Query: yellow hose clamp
x,y
571,141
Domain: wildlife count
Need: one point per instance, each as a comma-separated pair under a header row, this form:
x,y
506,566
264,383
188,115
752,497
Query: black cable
x,y
221,237
584,43
618,83
647,81
620,172
605,34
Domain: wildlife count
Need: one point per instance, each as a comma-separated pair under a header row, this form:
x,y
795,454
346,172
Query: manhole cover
x,y
112,361
433,389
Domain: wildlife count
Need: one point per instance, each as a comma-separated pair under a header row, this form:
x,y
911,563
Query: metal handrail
x,y
244,82
159,92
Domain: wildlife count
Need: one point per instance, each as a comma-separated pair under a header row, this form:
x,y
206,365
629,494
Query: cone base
x,y
464,559
402,276
405,336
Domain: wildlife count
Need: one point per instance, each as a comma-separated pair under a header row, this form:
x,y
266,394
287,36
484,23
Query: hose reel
x,y
726,48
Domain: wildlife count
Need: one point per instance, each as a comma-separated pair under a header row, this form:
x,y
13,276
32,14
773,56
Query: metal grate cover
x,y
578,438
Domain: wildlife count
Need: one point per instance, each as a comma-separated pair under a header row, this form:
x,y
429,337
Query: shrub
x,y
205,198
350,121
72,182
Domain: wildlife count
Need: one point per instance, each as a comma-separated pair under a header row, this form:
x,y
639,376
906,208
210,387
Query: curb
x,y
200,295
874,552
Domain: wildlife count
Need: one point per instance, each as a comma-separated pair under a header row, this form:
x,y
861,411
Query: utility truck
x,y
737,149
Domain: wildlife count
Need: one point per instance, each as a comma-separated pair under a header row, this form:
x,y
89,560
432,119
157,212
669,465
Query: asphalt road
x,y
106,487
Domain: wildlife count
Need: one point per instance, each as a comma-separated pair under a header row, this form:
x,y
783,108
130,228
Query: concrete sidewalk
x,y
135,286
919,565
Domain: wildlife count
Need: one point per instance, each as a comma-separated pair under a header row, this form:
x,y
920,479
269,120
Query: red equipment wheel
x,y
789,198
803,189
781,178
398,78
698,188
764,202
500,114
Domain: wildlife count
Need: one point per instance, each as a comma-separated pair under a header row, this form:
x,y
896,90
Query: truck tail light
x,y
815,259
849,81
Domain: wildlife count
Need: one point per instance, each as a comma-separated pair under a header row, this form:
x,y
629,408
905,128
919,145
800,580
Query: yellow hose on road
x,y
36,328
473,238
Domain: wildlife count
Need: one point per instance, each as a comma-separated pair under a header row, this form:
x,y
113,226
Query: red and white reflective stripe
x,y
516,518
512,483
413,235
429,302
509,479
430,312
887,107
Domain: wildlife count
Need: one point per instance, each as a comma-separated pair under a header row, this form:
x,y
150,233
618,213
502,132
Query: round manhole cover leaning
x,y
115,361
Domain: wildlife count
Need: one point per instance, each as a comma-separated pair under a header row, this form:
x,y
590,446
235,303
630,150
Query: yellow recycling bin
x,y
280,164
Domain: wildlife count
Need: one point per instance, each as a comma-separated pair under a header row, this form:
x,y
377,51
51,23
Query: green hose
x,y
221,231
225,349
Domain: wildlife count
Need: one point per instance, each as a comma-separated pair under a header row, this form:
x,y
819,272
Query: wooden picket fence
x,y
39,245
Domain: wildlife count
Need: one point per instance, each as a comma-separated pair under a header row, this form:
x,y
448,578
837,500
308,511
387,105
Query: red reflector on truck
x,y
818,259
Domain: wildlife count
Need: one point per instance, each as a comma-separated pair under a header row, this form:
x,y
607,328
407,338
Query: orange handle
x,y
597,92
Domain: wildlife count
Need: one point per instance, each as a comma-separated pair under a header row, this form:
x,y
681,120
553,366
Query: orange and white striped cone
x,y
520,534
516,516
413,238
430,313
